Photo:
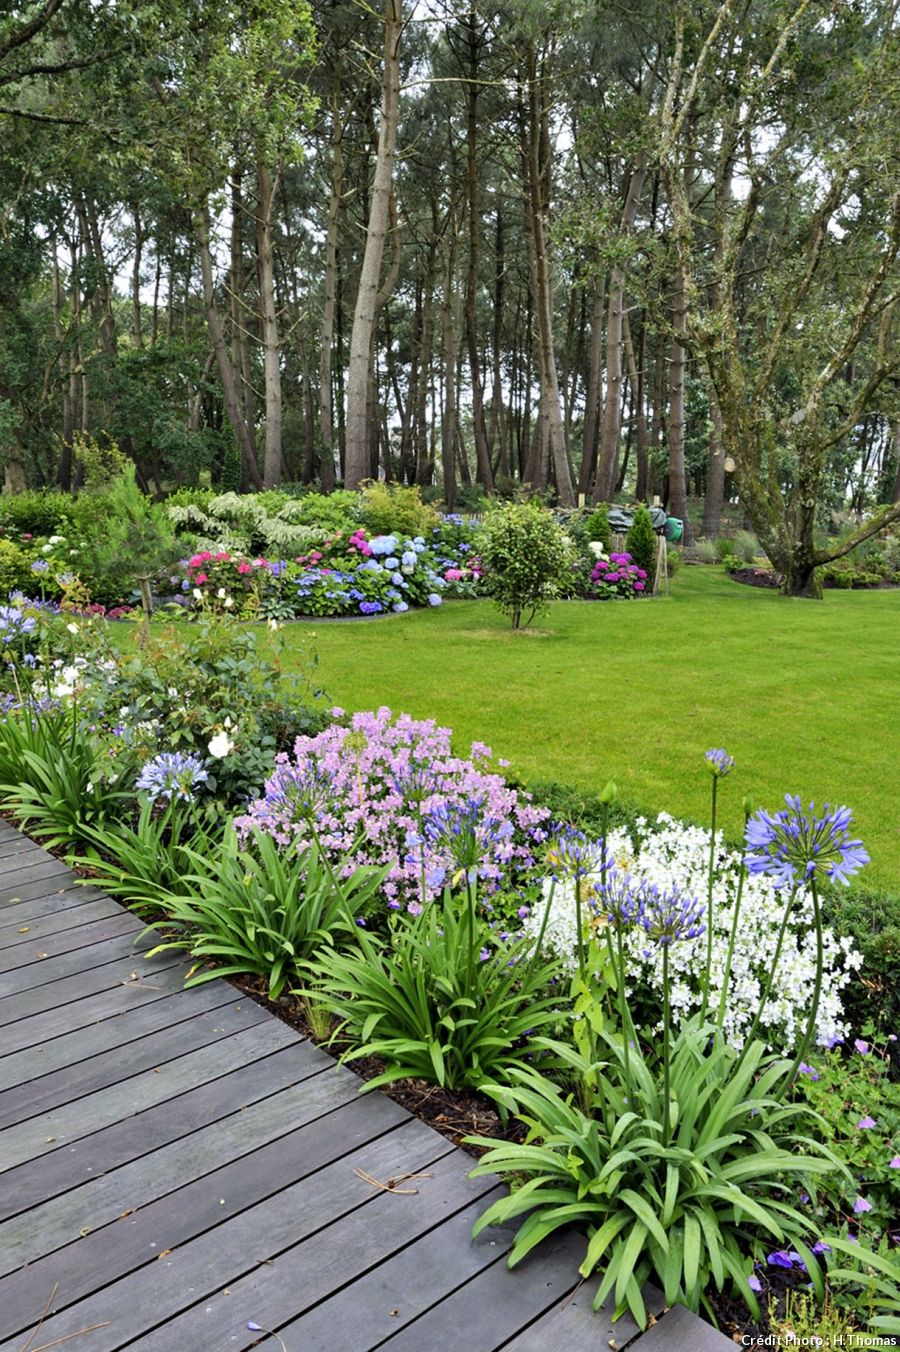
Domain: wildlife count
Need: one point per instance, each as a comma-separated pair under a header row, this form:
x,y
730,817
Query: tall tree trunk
x,y
242,432
357,438
536,142
592,395
64,468
265,193
677,495
715,472
499,433
326,339
450,346
607,469
636,381
483,472
423,451
136,329
240,344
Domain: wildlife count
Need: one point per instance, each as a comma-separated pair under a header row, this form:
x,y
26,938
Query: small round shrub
x,y
39,511
597,528
394,509
15,570
640,541
706,551
528,559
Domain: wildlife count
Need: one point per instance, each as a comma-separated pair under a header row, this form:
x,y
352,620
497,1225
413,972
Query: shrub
x,y
617,578
871,919
528,559
745,546
596,527
36,512
395,509
640,540
331,512
15,569
706,551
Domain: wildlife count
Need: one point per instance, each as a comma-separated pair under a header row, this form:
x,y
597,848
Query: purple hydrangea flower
x,y
720,762
793,846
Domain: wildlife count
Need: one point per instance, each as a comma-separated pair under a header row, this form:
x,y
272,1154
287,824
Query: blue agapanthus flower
x,y
572,855
172,774
621,898
14,624
720,762
793,846
669,915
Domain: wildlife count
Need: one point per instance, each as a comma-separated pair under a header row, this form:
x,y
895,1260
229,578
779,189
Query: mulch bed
x,y
764,577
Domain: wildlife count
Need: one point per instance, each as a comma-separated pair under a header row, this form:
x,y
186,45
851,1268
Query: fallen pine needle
x,y
56,1341
391,1184
37,1328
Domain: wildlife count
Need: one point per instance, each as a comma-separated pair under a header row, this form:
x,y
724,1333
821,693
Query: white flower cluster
x,y
673,852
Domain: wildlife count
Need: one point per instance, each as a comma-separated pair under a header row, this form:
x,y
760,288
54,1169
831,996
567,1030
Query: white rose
x,y
228,602
72,628
197,594
220,746
221,593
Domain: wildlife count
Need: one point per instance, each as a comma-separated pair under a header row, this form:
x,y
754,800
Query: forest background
x,y
583,249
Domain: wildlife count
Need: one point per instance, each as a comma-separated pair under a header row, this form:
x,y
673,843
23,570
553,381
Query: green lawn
x,y
803,694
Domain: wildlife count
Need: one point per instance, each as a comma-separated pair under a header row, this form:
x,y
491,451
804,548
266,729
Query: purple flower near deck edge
x,y
821,1247
861,1047
894,1163
172,774
720,763
804,1069
793,846
780,1258
865,1122
754,1283
861,1205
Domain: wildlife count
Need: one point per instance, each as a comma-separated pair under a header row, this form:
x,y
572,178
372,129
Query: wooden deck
x,y
180,1171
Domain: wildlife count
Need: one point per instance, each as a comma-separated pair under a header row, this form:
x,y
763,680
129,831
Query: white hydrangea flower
x,y
674,852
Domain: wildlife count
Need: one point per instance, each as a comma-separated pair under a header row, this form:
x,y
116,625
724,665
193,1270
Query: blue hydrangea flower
x,y
383,544
408,558
434,599
399,607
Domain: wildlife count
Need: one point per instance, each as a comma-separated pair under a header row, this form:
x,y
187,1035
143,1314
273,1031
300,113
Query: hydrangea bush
x,y
370,790
670,851
616,578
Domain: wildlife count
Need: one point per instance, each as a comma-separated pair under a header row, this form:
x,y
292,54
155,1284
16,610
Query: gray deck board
x,y
176,1164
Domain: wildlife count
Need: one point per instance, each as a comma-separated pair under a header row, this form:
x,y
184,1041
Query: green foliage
x,y
15,570
597,528
428,1005
395,509
687,1213
137,538
255,910
330,512
871,919
852,1087
185,684
144,862
246,523
707,551
640,540
36,512
55,778
528,559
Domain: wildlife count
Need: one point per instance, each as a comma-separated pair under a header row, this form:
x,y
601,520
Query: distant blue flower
x,y
172,774
408,558
40,566
791,846
720,762
383,544
399,606
572,855
370,607
621,897
434,599
804,1069
397,579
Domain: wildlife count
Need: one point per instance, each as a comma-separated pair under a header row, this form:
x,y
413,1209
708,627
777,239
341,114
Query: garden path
x,y
180,1169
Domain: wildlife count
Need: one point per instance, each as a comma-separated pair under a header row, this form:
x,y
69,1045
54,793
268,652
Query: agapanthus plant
x,y
172,774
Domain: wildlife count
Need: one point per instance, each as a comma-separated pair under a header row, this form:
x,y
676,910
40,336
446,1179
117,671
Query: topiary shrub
x,y
640,541
528,559
597,529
